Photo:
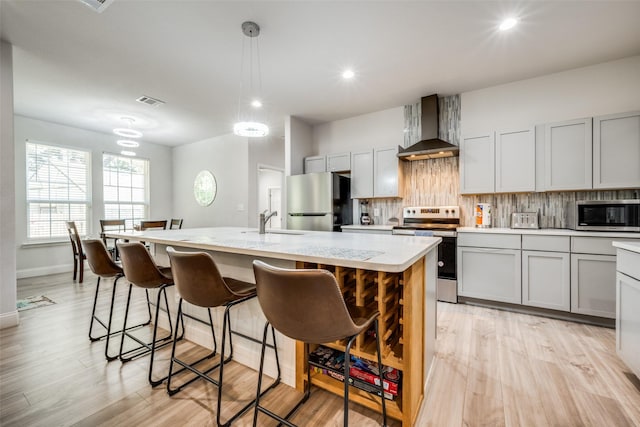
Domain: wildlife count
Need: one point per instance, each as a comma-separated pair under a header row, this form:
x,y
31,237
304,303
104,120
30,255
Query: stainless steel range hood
x,y
430,147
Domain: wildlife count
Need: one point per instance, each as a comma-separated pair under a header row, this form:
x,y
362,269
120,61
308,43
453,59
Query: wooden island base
x,y
399,299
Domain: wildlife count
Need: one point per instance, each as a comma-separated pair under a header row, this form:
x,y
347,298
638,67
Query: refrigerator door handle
x,y
308,214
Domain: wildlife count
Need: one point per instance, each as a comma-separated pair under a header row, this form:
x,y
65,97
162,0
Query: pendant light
x,y
128,133
249,104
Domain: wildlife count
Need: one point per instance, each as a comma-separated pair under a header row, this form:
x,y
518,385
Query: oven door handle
x,y
401,232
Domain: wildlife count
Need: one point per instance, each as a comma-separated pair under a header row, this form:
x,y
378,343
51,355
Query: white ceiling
x,y
80,68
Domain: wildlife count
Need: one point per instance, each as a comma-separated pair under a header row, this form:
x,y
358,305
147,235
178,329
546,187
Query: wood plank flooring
x,y
492,368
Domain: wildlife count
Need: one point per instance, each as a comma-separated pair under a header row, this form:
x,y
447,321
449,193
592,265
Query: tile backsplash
x,y
436,183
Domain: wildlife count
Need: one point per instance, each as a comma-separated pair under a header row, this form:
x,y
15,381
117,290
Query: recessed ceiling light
x,y
128,143
348,74
508,23
128,153
256,103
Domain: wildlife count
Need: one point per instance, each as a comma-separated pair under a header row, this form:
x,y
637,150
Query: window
x,y
125,188
57,190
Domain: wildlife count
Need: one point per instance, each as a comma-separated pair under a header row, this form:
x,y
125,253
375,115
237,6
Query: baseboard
x,y
9,320
43,271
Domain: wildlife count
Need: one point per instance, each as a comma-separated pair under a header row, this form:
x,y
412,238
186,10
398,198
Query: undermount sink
x,y
291,232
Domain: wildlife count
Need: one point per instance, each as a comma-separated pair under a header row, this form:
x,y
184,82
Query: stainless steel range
x,y
439,221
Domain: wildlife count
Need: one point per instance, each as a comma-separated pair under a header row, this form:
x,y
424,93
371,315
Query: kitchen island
x,y
396,274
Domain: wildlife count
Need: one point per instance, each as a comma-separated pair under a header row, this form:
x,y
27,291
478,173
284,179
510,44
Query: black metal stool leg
x,y
154,343
381,375
145,348
257,407
93,311
124,324
227,327
191,366
347,362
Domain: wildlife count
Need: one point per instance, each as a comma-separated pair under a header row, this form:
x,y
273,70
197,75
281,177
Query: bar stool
x,y
307,305
200,283
102,265
140,270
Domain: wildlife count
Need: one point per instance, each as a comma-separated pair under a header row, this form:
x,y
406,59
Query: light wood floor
x,y
492,368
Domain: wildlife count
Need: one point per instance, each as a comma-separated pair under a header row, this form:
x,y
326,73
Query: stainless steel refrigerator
x,y
318,201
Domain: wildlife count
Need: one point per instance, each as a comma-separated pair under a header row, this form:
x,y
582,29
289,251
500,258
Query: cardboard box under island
x,y
363,374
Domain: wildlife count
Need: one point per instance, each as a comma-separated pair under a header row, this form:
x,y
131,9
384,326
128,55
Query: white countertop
x,y
368,251
629,246
368,227
550,232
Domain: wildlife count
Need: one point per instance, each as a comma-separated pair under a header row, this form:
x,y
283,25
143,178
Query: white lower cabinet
x,y
491,274
593,285
628,309
574,274
546,280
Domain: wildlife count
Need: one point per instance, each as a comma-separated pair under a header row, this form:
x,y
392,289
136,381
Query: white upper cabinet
x,y
568,155
376,173
315,164
515,166
340,162
362,175
386,173
477,164
616,151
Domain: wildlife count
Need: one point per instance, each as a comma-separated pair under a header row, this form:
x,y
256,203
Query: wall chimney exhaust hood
x,y
430,147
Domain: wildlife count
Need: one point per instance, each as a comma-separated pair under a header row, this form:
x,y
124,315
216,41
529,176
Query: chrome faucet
x,y
264,217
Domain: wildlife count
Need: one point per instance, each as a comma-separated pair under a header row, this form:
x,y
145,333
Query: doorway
x,y
270,182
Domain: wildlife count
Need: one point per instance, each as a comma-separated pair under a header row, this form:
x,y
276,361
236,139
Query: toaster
x,y
525,220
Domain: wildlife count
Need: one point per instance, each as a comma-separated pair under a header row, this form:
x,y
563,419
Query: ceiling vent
x,y
97,5
153,102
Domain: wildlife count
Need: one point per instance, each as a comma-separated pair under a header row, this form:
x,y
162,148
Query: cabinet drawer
x,y
546,243
596,245
627,263
488,240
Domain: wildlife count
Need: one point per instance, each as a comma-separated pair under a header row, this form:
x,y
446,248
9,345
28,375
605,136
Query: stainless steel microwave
x,y
604,215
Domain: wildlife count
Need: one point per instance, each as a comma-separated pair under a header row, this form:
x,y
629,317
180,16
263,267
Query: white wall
x,y
611,87
40,260
8,312
262,152
227,158
298,145
374,130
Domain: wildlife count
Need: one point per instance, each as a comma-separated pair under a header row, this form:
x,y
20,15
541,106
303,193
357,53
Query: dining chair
x,y
148,225
111,225
78,253
289,300
175,224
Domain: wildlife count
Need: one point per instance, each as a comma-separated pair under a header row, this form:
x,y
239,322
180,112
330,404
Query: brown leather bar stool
x,y
140,270
200,283
102,265
307,305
